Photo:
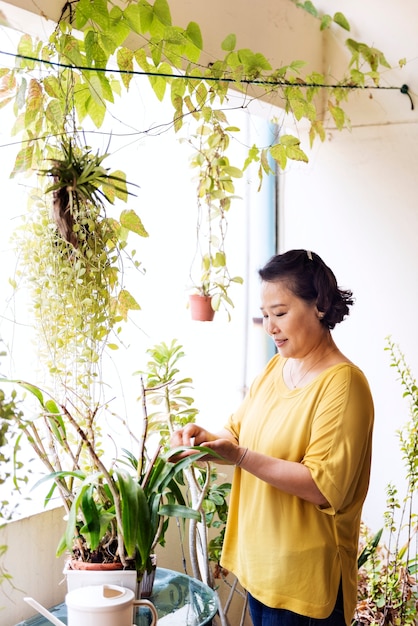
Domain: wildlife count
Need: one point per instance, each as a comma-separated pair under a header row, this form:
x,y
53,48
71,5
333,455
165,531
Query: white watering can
x,y
107,605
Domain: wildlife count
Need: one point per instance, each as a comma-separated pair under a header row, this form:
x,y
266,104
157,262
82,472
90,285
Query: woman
x,y
301,443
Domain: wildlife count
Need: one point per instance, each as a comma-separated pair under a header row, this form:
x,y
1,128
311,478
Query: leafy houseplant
x,y
117,513
73,263
388,567
168,391
215,192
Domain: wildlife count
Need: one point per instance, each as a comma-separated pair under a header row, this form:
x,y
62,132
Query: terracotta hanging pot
x,y
201,308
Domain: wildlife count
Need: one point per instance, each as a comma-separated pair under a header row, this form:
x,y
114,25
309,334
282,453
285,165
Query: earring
x,y
321,315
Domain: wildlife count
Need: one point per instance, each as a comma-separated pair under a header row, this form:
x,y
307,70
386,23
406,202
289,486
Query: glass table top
x,y
180,600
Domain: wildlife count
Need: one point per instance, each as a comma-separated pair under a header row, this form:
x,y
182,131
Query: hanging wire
x,y
247,81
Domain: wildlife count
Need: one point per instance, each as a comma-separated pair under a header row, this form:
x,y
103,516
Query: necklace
x,y
294,385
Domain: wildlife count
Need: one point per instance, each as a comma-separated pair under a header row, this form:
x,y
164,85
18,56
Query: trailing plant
x,y
74,265
215,193
11,468
388,585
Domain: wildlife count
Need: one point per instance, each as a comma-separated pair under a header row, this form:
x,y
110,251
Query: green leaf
x,y
194,34
289,140
100,14
278,152
91,517
84,11
25,46
357,77
338,115
219,260
235,172
296,154
309,7
124,57
23,160
52,86
119,29
54,111
132,17
96,109
178,510
326,21
229,43
29,387
341,20
55,420
130,219
296,66
132,499
126,303
162,12
114,186
253,155
159,85
71,50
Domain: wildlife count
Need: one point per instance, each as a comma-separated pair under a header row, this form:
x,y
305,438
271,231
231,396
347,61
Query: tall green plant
x,y
388,585
118,508
166,389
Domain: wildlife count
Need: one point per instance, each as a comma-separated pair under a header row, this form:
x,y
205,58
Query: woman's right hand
x,y
224,445
189,436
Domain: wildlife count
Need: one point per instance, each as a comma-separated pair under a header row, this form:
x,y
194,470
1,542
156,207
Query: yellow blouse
x,y
287,552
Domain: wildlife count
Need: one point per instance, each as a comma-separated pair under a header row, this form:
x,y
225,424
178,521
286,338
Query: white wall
x,y
31,544
355,204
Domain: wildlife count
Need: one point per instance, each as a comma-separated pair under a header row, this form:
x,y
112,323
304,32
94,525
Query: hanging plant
x,y
215,193
73,262
79,84
81,185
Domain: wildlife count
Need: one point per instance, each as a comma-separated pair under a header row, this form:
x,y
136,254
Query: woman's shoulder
x,y
348,372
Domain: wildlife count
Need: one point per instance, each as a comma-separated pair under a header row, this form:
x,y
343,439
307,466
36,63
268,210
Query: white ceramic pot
x,y
83,578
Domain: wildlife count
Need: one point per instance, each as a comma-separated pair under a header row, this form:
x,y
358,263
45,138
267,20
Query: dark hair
x,y
309,278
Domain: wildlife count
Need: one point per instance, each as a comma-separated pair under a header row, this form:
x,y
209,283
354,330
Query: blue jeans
x,y
263,615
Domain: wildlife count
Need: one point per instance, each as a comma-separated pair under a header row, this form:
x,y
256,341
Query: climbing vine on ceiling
x,y
56,84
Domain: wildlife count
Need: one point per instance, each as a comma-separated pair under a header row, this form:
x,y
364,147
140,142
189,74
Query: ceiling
x,y
284,33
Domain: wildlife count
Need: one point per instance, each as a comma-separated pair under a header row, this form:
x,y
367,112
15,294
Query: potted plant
x,y
117,512
73,261
388,559
169,392
215,192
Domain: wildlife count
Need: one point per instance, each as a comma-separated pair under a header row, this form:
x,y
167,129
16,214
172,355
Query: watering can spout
x,y
43,611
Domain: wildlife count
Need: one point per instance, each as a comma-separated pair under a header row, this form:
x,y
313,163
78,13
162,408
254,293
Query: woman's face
x,y
292,322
